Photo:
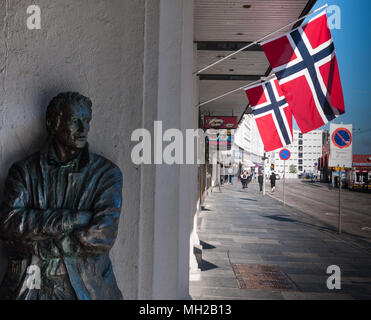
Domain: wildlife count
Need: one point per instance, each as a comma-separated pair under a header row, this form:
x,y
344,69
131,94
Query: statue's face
x,y
74,127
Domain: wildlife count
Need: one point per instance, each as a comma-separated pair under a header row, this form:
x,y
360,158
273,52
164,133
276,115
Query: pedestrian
x,y
244,178
260,180
273,181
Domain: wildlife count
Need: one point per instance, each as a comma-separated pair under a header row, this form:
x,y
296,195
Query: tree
x,y
293,169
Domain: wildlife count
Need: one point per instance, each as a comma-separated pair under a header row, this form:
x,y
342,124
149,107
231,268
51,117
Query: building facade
x,y
306,149
135,60
248,140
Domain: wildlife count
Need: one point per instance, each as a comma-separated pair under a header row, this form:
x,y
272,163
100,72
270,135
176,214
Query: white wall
x,y
134,59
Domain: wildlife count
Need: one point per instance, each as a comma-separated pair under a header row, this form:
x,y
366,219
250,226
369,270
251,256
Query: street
x,y
255,248
321,201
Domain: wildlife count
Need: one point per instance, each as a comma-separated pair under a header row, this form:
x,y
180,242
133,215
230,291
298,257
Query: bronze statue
x,y
60,213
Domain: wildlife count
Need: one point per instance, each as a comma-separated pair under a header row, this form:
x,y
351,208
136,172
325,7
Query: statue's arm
x,y
102,230
19,222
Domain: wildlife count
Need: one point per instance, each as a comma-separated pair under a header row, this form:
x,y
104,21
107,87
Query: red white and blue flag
x,y
272,114
305,64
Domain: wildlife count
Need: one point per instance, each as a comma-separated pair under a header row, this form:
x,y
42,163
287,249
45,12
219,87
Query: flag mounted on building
x,y
272,114
305,64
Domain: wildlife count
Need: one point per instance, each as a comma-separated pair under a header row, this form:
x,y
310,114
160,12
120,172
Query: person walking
x,y
273,181
244,178
260,180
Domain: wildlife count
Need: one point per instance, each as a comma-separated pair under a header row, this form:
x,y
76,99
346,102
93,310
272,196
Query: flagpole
x,y
233,91
261,39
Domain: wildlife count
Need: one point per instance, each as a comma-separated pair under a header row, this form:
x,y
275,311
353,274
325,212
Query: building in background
x,y
248,141
359,178
325,173
306,149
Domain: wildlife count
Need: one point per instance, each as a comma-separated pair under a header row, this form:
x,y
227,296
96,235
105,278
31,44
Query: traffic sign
x,y
285,154
342,138
341,145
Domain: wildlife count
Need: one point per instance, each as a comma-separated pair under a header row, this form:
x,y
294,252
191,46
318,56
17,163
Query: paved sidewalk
x,y
242,226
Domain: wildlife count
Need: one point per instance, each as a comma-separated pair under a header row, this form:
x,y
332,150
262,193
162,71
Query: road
x,y
321,201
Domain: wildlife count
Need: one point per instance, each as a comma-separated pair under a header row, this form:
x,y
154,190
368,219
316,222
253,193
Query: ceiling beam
x,y
226,46
241,77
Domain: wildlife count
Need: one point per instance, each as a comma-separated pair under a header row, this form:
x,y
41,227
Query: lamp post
x,y
264,159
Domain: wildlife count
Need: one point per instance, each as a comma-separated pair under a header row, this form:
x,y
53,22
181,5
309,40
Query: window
x,y
300,161
300,168
300,135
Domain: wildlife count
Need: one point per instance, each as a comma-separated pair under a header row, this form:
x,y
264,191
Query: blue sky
x,y
353,50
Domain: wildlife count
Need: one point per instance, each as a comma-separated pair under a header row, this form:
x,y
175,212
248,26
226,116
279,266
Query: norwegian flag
x,y
305,64
272,114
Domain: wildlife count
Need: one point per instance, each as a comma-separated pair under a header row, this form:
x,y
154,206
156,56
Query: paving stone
x,y
258,230
315,296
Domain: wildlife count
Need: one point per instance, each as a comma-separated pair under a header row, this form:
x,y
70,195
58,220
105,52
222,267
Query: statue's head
x,y
68,119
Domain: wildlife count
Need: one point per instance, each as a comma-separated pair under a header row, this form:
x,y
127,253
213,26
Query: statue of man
x,y
60,213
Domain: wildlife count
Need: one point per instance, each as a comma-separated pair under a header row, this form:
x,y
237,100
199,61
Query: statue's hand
x,y
83,219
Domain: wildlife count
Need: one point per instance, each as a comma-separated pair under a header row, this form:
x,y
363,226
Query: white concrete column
x,y
174,184
194,270
148,172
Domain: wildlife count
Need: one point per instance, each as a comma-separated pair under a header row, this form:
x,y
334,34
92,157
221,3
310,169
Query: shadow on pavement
x,y
247,199
205,266
280,218
206,246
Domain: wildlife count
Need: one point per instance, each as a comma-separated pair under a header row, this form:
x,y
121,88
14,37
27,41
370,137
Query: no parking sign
x,y
341,145
341,138
285,154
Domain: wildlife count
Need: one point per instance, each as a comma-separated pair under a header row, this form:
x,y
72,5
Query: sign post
x,y
264,160
339,226
285,155
284,181
341,152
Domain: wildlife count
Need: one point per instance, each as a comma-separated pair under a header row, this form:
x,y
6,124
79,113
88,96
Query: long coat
x,y
40,224
273,179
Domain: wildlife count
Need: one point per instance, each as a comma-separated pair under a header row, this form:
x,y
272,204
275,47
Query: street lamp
x,y
264,158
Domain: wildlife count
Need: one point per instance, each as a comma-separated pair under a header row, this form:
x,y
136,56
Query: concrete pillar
x,y
195,246
148,172
176,185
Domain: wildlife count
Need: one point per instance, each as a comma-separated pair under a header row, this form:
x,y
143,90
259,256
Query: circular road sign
x,y
285,154
342,138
